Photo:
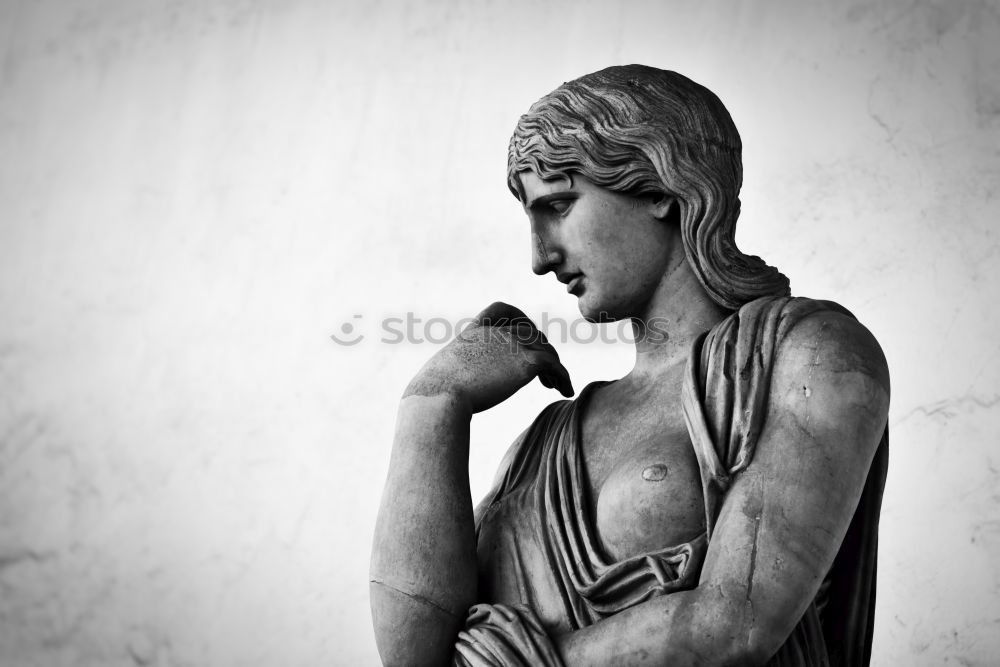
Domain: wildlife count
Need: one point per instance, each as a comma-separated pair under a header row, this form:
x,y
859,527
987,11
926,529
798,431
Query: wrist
x,y
444,400
434,385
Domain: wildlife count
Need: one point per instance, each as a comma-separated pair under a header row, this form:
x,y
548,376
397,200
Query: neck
x,y
679,311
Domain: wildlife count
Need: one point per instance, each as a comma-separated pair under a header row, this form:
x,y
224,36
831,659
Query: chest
x,y
641,476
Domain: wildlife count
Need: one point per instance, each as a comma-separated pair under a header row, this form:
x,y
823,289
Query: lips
x,y
574,282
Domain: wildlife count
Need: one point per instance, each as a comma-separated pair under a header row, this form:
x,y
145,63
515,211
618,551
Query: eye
x,y
561,206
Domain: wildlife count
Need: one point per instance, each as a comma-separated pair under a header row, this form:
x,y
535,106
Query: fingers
x,y
551,373
535,340
520,331
558,379
528,339
562,380
530,336
499,314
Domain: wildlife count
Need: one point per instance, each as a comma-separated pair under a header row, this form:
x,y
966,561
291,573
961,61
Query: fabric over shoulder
x,y
725,392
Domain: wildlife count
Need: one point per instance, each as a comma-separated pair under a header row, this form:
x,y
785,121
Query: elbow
x,y
410,630
725,630
749,644
725,633
746,655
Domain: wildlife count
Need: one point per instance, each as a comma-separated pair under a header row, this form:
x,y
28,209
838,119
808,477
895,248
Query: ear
x,y
663,205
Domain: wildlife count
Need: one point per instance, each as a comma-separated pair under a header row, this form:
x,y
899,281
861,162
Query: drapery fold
x,y
538,516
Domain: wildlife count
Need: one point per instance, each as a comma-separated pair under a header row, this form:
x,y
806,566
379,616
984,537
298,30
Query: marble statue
x,y
717,505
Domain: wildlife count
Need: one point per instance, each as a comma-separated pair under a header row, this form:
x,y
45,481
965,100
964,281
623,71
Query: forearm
x,y
703,626
423,569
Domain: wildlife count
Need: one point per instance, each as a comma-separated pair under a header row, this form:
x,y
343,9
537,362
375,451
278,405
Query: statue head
x,y
642,131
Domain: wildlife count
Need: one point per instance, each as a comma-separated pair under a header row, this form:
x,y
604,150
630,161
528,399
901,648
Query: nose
x,y
545,257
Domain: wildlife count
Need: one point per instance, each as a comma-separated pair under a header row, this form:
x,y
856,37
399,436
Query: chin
x,y
595,312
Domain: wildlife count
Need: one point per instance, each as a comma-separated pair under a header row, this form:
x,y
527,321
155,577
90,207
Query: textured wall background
x,y
195,195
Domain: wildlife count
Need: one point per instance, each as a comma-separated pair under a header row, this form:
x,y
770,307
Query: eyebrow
x,y
543,200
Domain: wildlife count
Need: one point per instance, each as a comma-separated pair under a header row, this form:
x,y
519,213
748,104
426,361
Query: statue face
x,y
611,250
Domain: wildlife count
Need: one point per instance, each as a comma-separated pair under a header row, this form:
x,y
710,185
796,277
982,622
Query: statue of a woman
x,y
717,505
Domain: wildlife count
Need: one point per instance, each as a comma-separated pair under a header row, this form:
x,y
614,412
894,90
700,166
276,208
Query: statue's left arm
x,y
783,519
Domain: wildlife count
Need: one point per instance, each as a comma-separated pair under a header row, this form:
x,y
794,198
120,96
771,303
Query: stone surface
x,y
186,207
630,178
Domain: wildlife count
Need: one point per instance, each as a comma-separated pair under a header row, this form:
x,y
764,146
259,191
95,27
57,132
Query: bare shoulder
x,y
831,371
791,507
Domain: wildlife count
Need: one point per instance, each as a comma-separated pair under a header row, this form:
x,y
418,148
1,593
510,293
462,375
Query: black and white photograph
x,y
496,334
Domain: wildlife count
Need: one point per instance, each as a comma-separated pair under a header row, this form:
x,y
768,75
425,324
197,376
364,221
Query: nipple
x,y
655,472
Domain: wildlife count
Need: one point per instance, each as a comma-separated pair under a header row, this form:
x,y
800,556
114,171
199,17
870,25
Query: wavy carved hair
x,y
643,131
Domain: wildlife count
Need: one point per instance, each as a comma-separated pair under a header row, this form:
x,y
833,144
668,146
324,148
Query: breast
x,y
651,499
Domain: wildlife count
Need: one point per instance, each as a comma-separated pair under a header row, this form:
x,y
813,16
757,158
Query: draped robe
x,y
537,518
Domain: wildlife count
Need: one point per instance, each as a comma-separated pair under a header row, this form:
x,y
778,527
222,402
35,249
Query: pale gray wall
x,y
194,195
